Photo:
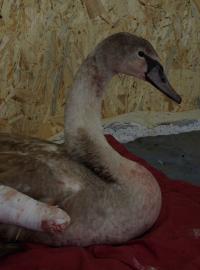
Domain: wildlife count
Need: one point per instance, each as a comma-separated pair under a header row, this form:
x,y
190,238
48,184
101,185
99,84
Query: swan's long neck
x,y
84,137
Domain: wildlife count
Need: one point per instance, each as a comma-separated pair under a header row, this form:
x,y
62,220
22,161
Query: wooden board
x,y
42,43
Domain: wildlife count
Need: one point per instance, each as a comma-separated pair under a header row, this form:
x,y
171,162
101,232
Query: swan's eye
x,y
141,54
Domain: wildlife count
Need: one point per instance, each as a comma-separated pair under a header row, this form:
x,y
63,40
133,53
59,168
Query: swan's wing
x,y
34,167
27,174
19,209
33,172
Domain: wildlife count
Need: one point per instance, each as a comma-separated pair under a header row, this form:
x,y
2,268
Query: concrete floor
x,y
178,156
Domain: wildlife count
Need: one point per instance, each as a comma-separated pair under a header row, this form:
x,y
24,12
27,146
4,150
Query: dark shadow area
x,y
178,156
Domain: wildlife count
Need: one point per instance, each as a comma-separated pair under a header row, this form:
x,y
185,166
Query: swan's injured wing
x,y
19,209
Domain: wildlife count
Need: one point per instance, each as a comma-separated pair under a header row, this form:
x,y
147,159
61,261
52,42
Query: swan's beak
x,y
156,76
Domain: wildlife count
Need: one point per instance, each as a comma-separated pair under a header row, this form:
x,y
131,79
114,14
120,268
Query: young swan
x,y
104,197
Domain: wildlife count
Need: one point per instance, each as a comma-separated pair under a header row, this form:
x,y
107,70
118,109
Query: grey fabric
x,y
178,156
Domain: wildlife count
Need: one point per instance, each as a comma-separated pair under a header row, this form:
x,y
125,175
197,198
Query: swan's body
x,y
101,210
105,197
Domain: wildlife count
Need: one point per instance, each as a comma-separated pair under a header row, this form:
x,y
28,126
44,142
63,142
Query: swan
x,y
83,192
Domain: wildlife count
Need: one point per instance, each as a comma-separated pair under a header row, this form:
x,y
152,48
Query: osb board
x,y
42,43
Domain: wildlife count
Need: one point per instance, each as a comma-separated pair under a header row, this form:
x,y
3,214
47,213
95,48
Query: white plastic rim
x,y
127,132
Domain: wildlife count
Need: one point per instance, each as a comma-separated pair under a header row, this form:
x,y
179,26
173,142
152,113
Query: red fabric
x,y
172,244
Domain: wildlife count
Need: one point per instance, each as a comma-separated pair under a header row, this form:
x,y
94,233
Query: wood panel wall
x,y
42,43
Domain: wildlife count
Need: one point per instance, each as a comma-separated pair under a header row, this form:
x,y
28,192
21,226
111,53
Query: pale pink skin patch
x,y
20,209
51,226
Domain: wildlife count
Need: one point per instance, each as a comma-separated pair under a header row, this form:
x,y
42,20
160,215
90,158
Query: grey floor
x,y
178,156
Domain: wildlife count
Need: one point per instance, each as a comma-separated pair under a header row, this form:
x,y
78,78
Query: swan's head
x,y
128,54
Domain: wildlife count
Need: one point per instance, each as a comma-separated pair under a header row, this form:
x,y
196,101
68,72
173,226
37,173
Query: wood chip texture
x,y
42,44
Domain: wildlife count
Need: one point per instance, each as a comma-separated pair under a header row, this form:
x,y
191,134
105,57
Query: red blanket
x,y
172,244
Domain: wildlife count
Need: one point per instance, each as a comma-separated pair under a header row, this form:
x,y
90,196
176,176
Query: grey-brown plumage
x,y
108,198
